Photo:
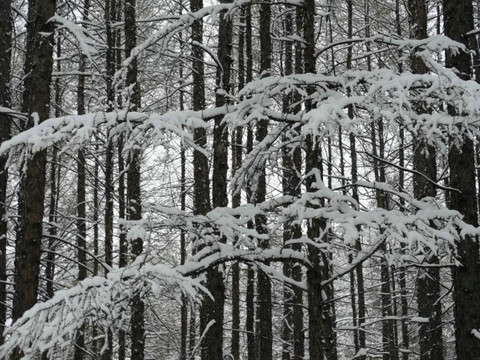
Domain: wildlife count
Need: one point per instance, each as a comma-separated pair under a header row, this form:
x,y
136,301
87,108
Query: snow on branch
x,y
52,326
86,42
73,131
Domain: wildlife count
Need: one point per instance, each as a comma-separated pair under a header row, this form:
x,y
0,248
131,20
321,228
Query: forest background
x,y
239,180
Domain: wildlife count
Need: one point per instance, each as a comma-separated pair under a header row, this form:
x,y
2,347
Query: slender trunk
x,y
110,11
359,334
122,213
81,191
212,308
298,325
183,235
201,186
321,324
237,139
405,345
389,350
5,121
52,230
264,288
123,245
250,291
137,322
287,178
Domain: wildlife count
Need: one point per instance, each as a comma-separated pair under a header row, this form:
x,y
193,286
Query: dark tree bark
x,y
287,164
201,190
424,161
201,182
137,322
321,317
358,315
36,102
264,287
52,229
81,191
298,325
110,11
250,291
237,139
183,207
5,121
291,183
458,17
401,187
390,352
54,181
212,309
123,244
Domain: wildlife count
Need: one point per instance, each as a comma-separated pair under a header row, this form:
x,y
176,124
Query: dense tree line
x,y
239,180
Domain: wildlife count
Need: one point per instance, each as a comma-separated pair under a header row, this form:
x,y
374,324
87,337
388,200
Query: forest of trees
x,y
238,179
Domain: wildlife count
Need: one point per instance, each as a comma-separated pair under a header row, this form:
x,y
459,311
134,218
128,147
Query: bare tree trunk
x,y
36,103
323,342
212,308
298,325
201,186
137,322
250,291
237,140
122,212
287,177
183,199
424,161
358,319
264,288
5,121
401,184
123,245
389,350
110,11
81,191
458,17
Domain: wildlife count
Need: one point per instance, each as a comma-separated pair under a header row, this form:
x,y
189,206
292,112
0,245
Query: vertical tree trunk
x,y
458,17
250,291
323,342
389,350
123,245
54,180
36,102
122,213
201,186
424,161
298,325
288,168
237,149
5,49
358,319
237,139
264,289
81,191
137,322
401,185
212,308
183,203
110,11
